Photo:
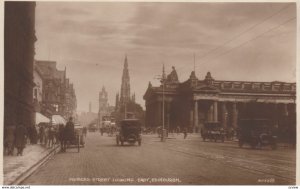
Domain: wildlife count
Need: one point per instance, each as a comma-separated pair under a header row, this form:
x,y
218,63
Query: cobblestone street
x,y
176,161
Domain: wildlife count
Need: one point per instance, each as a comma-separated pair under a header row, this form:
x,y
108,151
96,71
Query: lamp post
x,y
163,112
162,80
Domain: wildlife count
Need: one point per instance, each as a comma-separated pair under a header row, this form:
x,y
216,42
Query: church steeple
x,y
125,87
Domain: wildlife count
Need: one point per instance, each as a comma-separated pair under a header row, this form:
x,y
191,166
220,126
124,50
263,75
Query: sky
x,y
234,41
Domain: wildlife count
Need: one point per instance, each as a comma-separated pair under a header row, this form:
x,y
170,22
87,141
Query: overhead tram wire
x,y
271,29
239,35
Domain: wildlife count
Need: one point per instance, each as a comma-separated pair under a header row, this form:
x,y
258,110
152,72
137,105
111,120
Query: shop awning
x,y
58,119
40,118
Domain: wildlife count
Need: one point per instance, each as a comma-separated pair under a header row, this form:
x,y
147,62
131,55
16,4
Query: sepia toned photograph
x,y
149,93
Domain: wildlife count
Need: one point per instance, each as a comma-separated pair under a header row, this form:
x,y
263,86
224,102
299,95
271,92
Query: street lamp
x,y
162,80
163,112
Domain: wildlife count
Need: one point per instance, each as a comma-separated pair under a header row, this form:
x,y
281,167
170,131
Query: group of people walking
x,y
15,137
47,135
58,135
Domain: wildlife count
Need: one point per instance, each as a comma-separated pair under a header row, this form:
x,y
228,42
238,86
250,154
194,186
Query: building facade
x,y
19,39
194,102
70,100
58,94
37,89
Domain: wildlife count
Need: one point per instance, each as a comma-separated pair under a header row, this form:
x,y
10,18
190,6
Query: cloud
x,y
92,38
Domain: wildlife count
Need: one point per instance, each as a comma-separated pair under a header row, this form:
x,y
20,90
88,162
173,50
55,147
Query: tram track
x,y
249,165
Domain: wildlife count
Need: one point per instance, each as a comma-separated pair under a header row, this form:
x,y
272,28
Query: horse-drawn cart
x,y
78,138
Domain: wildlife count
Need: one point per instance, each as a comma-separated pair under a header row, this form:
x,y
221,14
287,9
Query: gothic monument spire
x,y
125,87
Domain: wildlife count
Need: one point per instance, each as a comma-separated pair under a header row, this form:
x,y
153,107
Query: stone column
x,y
210,113
215,106
159,113
285,110
234,115
191,117
195,116
224,115
167,114
275,115
152,115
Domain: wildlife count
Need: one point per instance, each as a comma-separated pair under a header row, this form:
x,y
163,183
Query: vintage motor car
x,y
129,131
213,131
257,133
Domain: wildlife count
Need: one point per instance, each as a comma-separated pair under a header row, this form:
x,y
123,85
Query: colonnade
x,y
225,112
229,109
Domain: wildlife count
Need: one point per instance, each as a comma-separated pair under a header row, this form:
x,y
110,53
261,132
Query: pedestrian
x,y
69,131
51,136
29,134
178,130
184,133
41,133
61,137
20,138
102,131
34,135
84,131
46,135
9,139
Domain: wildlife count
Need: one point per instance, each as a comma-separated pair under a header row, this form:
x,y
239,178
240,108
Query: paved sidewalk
x,y
16,167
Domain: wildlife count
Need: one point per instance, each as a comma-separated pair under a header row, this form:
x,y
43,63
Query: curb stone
x,y
31,170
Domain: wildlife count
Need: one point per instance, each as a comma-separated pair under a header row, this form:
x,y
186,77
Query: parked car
x,y
129,131
256,133
213,131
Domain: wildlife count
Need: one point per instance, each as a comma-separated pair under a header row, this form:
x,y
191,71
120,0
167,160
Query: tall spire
x,y
125,86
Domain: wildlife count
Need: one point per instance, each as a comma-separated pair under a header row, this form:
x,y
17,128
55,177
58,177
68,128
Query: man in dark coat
x,y
184,133
61,138
69,130
20,138
9,139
